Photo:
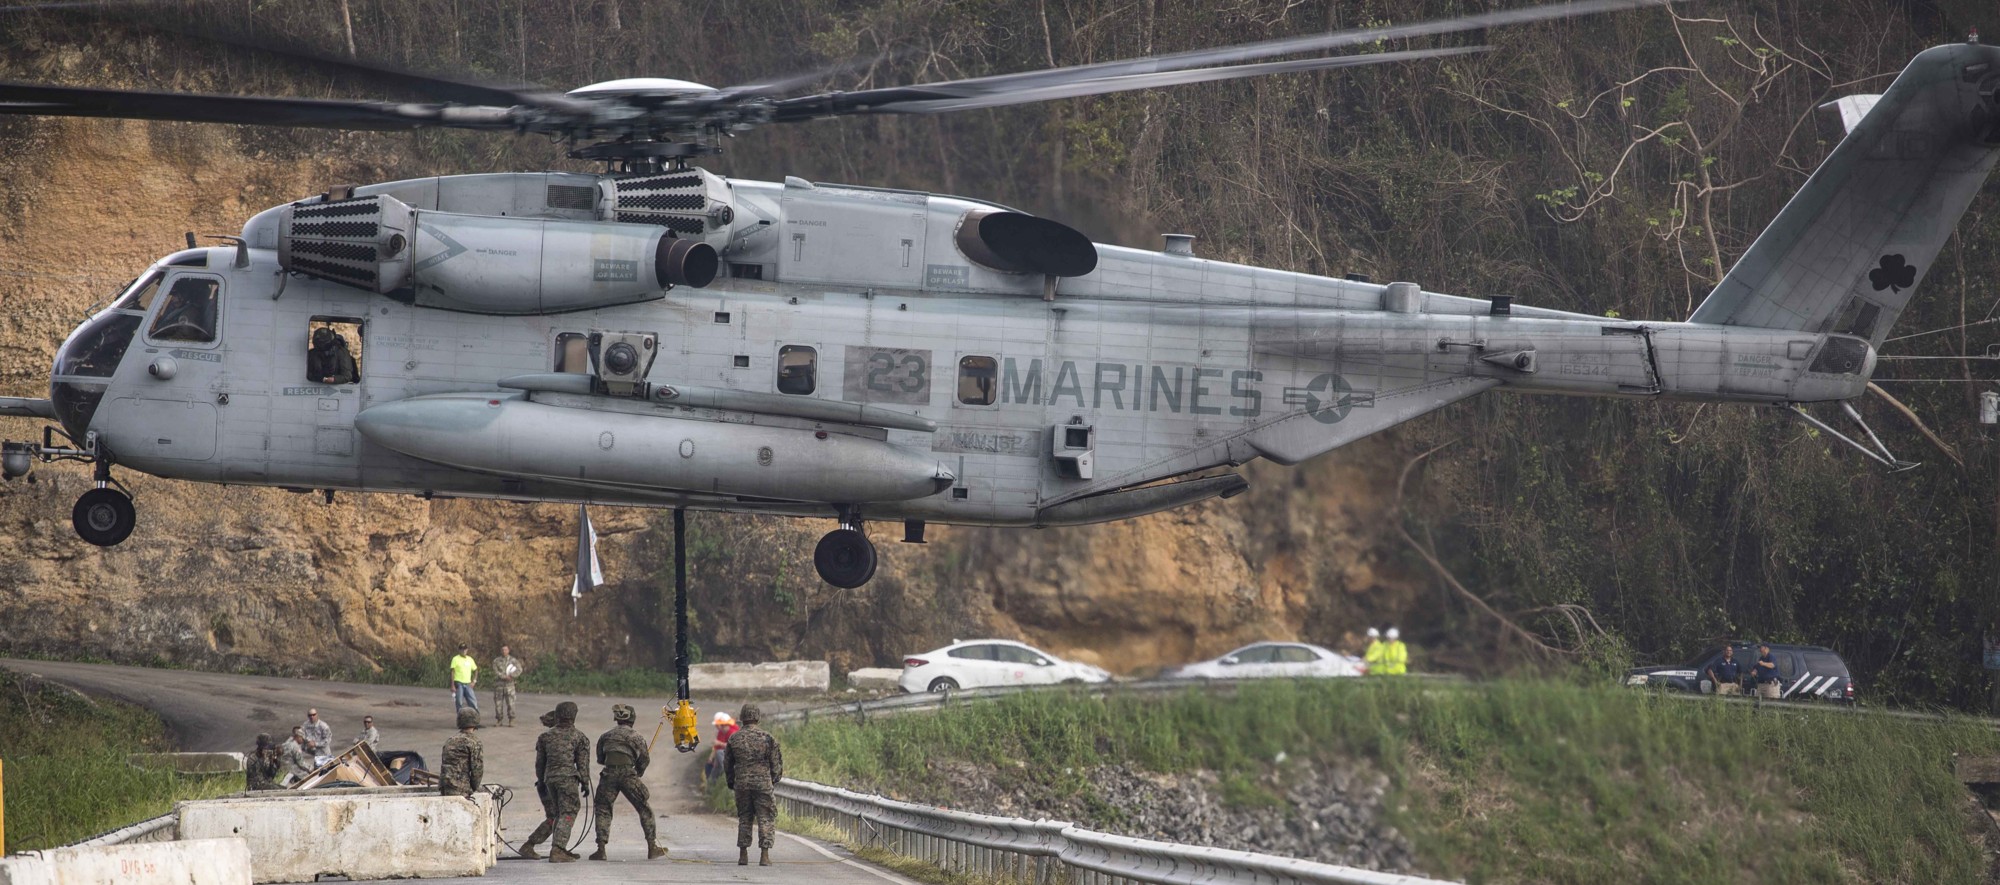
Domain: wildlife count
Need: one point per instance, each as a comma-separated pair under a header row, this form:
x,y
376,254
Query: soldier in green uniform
x,y
623,754
562,765
464,762
260,771
756,766
549,810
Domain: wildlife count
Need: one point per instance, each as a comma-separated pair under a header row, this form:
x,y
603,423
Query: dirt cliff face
x,y
260,578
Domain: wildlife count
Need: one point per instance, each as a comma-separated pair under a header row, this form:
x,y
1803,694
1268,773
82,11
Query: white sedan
x,y
986,662
1273,659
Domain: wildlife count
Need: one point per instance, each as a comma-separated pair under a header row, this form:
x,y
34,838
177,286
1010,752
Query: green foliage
x,y
1537,781
66,774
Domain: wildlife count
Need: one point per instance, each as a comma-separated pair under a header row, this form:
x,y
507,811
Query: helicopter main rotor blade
x,y
875,100
67,101
1131,82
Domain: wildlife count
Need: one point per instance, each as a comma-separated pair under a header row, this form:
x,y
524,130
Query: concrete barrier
x,y
189,763
197,862
296,837
776,676
874,678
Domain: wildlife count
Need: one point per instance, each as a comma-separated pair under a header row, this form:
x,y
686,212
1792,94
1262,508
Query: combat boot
x,y
528,852
763,857
559,854
742,857
599,853
654,851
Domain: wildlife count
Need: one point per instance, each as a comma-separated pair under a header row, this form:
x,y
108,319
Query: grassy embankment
x,y
1507,781
66,772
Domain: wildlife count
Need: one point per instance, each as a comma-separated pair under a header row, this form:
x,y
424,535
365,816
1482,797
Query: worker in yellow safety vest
x,y
1395,655
1377,653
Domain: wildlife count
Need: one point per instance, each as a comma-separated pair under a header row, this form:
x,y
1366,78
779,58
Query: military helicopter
x,y
658,335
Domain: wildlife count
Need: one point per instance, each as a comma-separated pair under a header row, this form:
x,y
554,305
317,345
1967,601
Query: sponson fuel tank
x,y
509,434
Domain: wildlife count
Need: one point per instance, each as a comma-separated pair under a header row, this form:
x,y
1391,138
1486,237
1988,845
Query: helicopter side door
x,y
163,409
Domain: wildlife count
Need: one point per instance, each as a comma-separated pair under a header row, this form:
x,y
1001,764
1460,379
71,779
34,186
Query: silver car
x,y
1273,659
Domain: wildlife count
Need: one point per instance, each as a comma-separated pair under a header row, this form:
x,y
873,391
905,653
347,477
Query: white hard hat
x,y
1393,633
1374,633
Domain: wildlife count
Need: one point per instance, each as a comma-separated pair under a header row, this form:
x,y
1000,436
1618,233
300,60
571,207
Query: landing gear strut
x,y
845,558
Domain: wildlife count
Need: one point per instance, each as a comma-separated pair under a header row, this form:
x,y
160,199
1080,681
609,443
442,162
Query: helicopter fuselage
x,y
1024,398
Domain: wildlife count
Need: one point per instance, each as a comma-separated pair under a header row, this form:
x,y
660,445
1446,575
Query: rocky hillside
x,y
244,577
1615,164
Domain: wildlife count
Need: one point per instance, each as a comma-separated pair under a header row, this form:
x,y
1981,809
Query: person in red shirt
x,y
725,725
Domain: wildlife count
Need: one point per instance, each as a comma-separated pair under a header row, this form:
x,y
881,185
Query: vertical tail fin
x,y
1848,251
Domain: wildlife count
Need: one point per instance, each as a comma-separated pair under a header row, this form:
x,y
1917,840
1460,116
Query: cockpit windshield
x,y
139,296
95,349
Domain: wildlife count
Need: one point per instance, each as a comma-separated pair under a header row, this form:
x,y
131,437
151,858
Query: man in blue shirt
x,y
1766,673
1726,674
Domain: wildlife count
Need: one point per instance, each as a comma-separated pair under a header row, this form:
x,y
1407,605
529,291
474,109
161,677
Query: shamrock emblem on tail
x,y
1893,275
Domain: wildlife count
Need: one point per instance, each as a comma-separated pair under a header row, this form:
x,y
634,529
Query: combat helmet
x,y
566,713
750,714
468,719
623,713
549,719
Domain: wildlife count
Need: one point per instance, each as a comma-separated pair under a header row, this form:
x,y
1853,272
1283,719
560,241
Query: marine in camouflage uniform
x,y
508,669
623,754
562,762
464,762
756,766
260,771
548,824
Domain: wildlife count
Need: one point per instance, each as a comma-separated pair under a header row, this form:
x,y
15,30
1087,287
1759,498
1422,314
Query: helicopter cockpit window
x,y
140,297
573,353
798,369
333,351
976,376
189,314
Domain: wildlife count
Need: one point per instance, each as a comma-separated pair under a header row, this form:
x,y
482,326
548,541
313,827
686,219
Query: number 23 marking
x,y
883,365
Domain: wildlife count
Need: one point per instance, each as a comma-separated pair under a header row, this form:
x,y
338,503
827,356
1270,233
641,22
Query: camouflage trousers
x,y
758,807
503,703
561,800
612,783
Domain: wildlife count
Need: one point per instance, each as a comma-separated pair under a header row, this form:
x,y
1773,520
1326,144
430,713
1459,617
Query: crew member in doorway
x,y
261,770
549,809
1726,674
506,669
623,754
368,734
1395,655
756,766
1376,650
464,759
328,361
464,675
1766,671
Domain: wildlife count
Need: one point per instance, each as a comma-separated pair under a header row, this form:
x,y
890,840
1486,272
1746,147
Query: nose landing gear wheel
x,y
845,558
103,516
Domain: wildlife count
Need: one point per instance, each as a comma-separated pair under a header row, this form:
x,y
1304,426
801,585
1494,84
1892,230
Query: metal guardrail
x,y
1044,852
908,703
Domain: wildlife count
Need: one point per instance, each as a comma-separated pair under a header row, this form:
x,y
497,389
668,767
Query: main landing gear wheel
x,y
103,516
845,558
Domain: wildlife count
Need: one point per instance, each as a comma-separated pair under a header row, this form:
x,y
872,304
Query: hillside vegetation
x,y
1616,165
66,771
1514,781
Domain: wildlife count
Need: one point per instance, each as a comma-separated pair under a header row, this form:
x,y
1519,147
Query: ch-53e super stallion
x,y
658,335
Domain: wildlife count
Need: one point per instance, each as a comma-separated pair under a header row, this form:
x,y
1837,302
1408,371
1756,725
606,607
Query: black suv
x,y
1806,672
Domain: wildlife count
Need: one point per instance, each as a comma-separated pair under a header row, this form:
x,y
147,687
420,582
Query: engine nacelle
x,y
487,264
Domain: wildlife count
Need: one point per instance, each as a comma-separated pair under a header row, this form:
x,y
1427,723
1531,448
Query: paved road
x,y
217,711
